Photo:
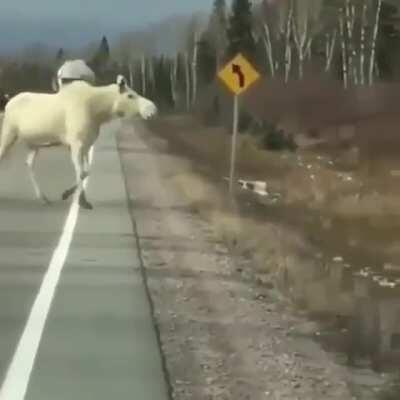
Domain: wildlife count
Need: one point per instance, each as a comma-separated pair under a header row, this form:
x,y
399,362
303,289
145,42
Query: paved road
x,y
98,340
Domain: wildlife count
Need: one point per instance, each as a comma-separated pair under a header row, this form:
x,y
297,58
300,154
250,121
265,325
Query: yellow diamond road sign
x,y
238,74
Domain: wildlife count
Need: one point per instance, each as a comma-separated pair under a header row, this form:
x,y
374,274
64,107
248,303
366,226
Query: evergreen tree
x,y
207,59
388,44
240,30
217,30
104,50
180,80
163,93
60,56
101,58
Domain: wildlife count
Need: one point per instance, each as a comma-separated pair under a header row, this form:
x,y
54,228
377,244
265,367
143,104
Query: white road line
x,y
18,375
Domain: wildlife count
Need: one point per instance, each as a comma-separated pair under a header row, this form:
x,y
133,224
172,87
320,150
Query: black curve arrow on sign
x,y
236,69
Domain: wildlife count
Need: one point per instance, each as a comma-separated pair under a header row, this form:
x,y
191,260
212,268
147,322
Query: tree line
x,y
355,41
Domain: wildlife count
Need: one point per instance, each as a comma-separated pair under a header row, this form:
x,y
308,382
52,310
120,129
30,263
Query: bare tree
x,y
194,67
130,68
187,80
374,40
143,73
344,48
194,31
302,41
151,77
362,42
174,79
350,21
268,48
265,29
330,45
288,47
284,24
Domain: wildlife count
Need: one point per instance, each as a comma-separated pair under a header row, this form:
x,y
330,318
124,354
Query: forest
x,y
356,42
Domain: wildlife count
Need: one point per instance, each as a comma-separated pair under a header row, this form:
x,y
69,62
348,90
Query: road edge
x,y
143,272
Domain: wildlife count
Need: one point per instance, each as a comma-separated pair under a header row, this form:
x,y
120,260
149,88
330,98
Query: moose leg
x,y
69,192
8,138
77,157
30,162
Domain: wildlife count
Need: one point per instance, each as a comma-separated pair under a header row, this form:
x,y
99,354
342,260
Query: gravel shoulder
x,y
223,334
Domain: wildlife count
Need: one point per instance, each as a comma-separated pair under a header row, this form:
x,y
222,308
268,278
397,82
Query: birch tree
x,y
374,40
174,80
362,41
344,48
302,41
143,74
288,48
266,38
350,22
194,67
187,80
130,71
268,30
330,46
286,26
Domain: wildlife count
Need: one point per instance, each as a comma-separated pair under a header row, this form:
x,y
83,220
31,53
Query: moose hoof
x,y
44,200
84,203
68,193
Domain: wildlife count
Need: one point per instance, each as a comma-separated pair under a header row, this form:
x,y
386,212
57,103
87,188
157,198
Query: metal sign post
x,y
234,141
238,75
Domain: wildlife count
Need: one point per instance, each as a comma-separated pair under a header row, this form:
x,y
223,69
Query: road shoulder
x,y
222,336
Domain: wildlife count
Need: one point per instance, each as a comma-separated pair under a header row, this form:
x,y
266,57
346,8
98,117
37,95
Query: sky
x,y
77,21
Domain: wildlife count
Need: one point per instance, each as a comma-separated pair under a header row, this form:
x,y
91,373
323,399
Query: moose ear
x,y
121,82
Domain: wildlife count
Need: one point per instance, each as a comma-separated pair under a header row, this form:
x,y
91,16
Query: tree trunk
x,y
151,78
350,24
143,73
174,81
268,49
308,48
187,81
353,47
288,48
217,62
301,43
344,52
194,70
130,75
330,49
362,45
374,39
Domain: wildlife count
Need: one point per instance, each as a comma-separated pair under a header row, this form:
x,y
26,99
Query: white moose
x,y
71,117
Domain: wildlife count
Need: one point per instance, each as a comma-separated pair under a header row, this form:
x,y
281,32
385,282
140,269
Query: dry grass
x,y
302,177
212,145
309,177
360,212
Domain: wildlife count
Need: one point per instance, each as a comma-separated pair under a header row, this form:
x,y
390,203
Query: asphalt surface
x,y
98,341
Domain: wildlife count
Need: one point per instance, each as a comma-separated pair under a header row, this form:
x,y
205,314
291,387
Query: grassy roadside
x,y
304,249
320,214
318,197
